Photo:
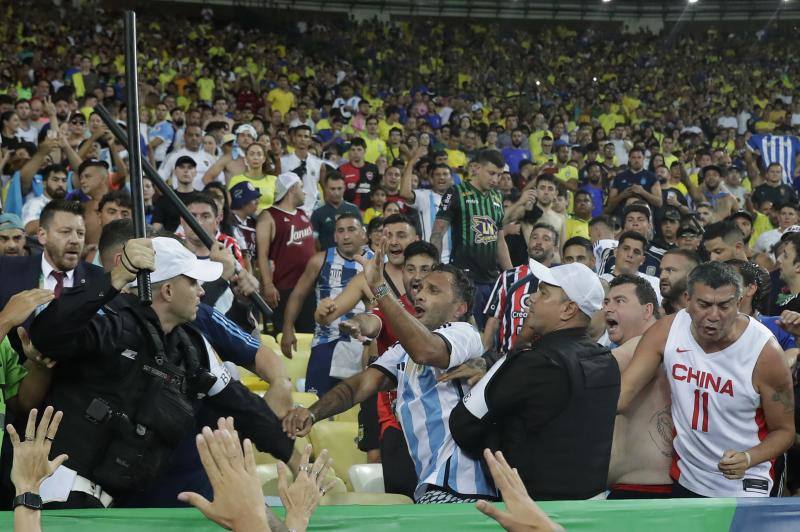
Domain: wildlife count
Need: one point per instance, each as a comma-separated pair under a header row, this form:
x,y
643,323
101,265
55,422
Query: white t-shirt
x,y
427,202
33,208
310,180
203,160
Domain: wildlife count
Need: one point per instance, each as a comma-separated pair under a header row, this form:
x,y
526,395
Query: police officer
x,y
129,376
550,409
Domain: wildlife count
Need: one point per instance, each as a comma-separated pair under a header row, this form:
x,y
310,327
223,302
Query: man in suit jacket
x,y
58,267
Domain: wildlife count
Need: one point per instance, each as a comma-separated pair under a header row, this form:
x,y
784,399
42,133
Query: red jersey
x,y
358,183
230,243
386,339
292,247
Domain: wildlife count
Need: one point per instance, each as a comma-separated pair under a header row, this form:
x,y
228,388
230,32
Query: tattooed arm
x,y
341,397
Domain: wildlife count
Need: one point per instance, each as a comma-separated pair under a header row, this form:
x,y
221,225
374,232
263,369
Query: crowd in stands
x,y
431,200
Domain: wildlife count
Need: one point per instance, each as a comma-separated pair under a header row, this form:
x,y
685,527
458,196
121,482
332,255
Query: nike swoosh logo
x,y
679,350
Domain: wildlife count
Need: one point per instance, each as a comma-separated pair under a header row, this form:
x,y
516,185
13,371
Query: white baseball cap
x,y
578,282
173,259
285,181
247,128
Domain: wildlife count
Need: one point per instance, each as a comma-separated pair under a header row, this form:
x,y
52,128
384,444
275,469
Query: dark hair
x,y
691,256
437,166
47,170
636,207
633,235
793,239
348,215
358,141
644,290
59,205
120,197
602,219
578,241
375,224
331,174
462,285
298,128
421,247
201,197
490,156
542,225
727,230
752,273
581,192
216,125
92,162
789,204
117,232
715,275
399,219
547,177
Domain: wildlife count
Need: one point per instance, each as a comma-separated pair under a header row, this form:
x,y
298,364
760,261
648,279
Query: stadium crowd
x,y
528,243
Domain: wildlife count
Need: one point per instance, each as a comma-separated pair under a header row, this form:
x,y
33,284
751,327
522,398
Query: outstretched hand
x,y
521,513
31,462
373,268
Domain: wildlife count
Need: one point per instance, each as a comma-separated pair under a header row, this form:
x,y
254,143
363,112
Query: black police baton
x,y
135,150
167,191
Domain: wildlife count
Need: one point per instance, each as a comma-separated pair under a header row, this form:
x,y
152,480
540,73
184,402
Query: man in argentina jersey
x,y
427,201
731,389
781,149
436,340
329,271
474,211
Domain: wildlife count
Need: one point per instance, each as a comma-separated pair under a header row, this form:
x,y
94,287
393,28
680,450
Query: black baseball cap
x,y
185,159
688,230
741,213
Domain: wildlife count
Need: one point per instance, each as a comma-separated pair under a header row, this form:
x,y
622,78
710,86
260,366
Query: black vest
x,y
125,412
568,457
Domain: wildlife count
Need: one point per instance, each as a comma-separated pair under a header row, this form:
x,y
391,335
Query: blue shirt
x,y
228,339
514,156
785,339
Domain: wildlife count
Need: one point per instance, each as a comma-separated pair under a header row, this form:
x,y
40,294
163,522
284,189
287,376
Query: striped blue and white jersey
x,y
426,202
334,276
781,149
423,408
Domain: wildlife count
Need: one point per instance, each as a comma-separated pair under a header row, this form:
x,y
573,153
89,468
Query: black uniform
x,y
551,410
129,392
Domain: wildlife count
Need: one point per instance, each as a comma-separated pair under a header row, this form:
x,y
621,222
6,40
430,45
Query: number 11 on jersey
x,y
698,416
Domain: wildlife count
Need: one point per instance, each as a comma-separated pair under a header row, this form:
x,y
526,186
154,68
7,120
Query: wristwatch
x,y
380,291
28,500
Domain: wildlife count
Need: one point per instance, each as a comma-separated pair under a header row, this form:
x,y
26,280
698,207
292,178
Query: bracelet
x,y
749,460
122,261
380,291
312,416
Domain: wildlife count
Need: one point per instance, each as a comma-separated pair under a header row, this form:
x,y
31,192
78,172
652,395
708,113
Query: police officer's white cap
x,y
173,259
578,282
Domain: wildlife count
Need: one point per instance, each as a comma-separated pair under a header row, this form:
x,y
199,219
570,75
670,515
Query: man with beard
x,y
328,273
635,180
193,148
305,164
675,268
722,201
642,447
594,186
12,237
398,469
62,234
507,307
517,152
55,187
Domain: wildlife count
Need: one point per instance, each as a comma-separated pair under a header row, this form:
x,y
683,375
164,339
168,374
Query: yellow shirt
x,y
205,89
567,172
576,227
280,100
456,158
535,141
265,184
375,148
385,128
760,225
542,158
371,213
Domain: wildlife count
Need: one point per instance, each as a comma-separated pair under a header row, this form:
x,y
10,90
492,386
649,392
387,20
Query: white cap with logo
x,y
285,181
173,259
578,282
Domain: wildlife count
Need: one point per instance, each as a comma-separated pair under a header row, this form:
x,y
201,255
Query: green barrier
x,y
685,515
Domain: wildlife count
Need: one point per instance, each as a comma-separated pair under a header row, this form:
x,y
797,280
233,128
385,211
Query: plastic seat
x,y
268,475
366,478
339,437
299,446
305,399
348,415
364,499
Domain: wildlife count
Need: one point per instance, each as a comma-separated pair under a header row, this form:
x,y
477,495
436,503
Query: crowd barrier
x,y
683,515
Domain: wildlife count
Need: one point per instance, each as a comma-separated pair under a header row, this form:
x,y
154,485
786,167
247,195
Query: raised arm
x,y
329,309
29,170
646,359
406,189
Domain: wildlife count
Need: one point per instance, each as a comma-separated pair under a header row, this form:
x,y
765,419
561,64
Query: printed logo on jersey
x,y
485,229
702,379
296,237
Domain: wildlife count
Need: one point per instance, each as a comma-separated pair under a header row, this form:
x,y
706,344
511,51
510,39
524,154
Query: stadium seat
x,y
297,365
304,398
268,475
364,499
339,438
366,478
348,415
253,382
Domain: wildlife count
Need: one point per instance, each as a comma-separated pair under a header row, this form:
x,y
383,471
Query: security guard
x,y
130,376
550,409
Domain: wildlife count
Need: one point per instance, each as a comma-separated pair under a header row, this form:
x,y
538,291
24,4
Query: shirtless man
x,y
730,387
642,447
